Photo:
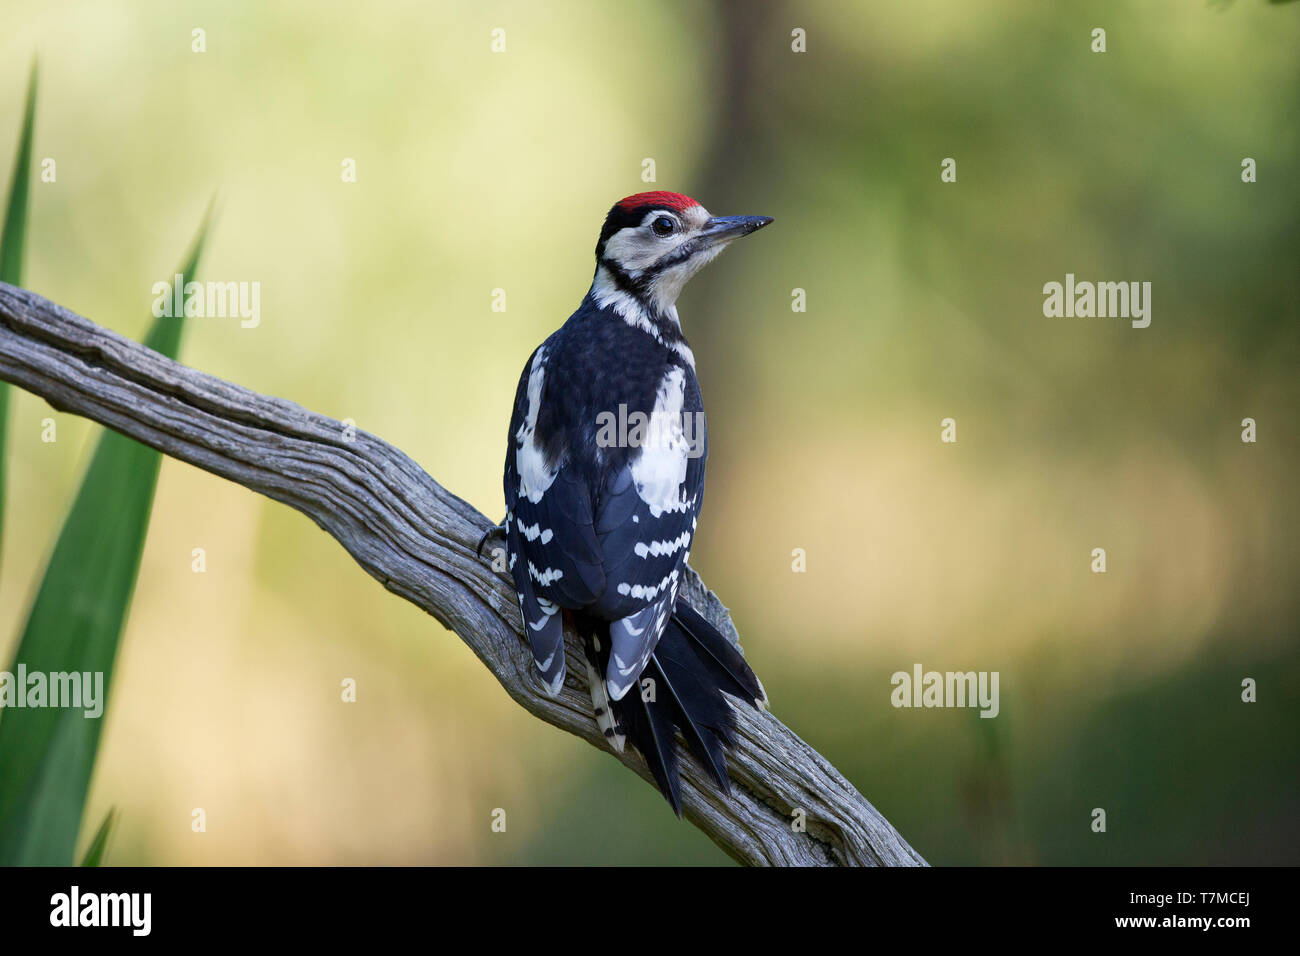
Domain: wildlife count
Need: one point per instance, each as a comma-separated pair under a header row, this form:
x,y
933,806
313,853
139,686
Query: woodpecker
x,y
604,479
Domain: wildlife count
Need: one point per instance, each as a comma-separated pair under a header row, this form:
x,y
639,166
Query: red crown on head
x,y
660,200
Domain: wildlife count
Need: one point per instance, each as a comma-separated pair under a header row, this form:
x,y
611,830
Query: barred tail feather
x,y
606,722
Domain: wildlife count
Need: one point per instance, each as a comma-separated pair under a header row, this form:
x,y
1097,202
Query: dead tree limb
x,y
419,541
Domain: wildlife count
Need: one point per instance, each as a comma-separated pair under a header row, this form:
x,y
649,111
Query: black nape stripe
x,y
624,282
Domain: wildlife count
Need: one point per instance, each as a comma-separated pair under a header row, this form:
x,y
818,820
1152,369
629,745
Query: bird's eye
x,y
663,226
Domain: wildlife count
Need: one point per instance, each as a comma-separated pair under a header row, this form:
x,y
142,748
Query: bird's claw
x,y
491,532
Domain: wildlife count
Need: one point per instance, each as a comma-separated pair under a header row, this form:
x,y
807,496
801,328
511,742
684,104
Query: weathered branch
x,y
419,541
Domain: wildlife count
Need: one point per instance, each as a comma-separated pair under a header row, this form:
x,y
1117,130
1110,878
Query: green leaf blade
x,y
12,240
99,843
47,754
13,237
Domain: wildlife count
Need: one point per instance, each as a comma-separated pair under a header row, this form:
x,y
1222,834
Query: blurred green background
x,y
479,171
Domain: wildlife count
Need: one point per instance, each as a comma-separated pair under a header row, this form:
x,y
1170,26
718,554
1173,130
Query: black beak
x,y
726,228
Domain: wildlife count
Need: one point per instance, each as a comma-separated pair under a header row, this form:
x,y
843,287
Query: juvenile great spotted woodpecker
x,y
604,479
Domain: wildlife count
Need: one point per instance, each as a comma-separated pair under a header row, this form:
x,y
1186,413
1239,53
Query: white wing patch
x,y
534,531
659,548
545,578
647,592
659,471
535,476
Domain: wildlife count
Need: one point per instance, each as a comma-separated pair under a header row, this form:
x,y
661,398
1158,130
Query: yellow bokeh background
x,y
479,171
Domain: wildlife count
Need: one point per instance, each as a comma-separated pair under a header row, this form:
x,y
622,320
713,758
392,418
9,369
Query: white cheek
x,y
667,286
634,251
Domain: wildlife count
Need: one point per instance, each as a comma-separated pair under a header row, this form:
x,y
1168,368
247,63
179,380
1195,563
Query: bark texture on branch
x,y
419,541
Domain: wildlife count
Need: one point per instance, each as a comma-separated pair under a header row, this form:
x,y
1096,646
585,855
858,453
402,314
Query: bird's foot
x,y
497,530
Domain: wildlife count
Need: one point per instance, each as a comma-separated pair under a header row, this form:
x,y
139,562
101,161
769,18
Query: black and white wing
x,y
645,522
555,557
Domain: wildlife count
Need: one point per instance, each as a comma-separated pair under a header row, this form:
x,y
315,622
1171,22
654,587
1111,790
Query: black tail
x,y
691,667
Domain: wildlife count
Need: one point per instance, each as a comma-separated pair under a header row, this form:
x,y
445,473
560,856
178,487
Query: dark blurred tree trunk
x,y
749,36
